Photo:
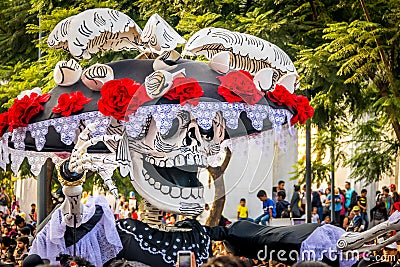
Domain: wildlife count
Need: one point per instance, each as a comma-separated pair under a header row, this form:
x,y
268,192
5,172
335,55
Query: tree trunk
x,y
49,176
217,175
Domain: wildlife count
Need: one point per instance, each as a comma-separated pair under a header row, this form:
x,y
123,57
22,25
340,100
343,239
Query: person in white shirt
x,y
16,211
124,213
315,216
202,218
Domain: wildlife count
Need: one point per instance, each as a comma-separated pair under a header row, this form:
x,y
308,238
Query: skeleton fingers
x,y
357,241
104,164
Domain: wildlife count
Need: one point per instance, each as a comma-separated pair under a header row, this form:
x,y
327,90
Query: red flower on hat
x,y
282,96
22,111
187,90
118,95
3,122
70,103
304,110
238,86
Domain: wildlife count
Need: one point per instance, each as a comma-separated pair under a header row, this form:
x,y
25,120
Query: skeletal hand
x,y
81,161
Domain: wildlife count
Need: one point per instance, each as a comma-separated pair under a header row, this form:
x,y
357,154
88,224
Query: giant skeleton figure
x,y
165,145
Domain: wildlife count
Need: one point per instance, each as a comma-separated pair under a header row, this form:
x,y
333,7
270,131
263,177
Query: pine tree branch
x,y
383,90
381,52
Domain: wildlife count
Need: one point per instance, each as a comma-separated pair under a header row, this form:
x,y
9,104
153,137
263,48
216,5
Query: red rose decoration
x,y
24,109
138,99
304,110
70,103
238,86
281,95
117,95
187,90
3,122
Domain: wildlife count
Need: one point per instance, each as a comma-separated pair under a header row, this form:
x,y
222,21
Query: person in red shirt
x,y
134,214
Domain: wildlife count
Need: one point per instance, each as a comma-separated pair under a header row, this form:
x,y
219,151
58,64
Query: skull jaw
x,y
164,195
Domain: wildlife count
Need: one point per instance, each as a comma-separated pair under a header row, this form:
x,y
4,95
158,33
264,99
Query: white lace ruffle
x,y
98,246
65,126
264,140
162,114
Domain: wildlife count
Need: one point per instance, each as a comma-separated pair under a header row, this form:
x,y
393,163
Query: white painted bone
x,y
220,62
159,82
97,75
67,73
104,164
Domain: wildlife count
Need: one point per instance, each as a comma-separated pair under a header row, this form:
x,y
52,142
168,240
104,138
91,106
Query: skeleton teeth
x,y
179,160
165,189
169,163
190,159
201,192
151,181
195,192
175,192
162,164
186,193
157,185
197,159
152,161
146,176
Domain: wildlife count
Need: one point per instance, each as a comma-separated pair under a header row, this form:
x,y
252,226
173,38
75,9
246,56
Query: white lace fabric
x,y
98,246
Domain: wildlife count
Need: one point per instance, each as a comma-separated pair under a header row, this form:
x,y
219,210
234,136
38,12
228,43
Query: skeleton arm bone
x,y
356,241
81,161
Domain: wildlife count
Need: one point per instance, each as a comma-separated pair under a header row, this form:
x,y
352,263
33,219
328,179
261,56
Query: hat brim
x,y
138,70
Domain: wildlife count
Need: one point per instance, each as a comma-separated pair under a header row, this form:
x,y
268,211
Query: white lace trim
x,y
98,246
162,114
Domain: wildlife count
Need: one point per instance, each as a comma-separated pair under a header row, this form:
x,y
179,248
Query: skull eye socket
x,y
207,133
173,130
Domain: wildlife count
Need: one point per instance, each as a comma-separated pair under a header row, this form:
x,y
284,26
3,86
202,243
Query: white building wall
x,y
255,164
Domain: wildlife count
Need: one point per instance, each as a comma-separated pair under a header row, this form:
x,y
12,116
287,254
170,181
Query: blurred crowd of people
x,y
351,209
17,230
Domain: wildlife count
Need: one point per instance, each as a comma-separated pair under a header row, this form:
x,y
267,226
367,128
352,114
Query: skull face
x,y
166,166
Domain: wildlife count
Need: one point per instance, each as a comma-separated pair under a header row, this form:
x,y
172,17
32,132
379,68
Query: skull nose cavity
x,y
191,137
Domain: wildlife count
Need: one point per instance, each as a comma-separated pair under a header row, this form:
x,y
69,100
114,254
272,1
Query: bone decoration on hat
x,y
95,30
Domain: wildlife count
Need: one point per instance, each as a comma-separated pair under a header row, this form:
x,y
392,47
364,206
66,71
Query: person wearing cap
x,y
390,252
395,195
356,222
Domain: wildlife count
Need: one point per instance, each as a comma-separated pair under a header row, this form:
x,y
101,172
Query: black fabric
x,y
294,205
282,208
32,261
316,200
67,175
159,248
243,238
138,70
247,239
84,228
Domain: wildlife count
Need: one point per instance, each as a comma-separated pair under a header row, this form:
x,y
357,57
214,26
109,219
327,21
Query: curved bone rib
x,y
356,241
